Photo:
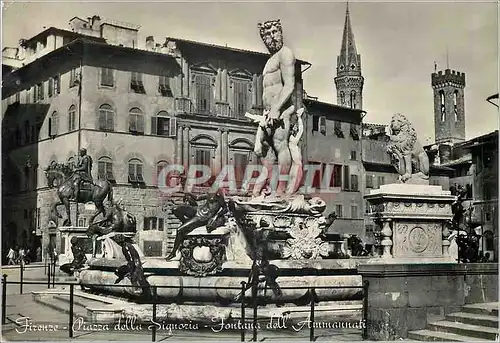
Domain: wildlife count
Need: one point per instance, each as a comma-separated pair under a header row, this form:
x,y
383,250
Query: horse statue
x,y
62,176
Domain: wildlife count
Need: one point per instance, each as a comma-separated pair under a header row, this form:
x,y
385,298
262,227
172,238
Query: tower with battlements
x,y
449,109
349,82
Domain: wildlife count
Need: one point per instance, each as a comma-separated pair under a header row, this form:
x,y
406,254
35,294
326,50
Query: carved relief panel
x,y
417,240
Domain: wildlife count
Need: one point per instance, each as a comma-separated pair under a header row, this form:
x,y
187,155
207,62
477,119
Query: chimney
x,y
150,43
95,23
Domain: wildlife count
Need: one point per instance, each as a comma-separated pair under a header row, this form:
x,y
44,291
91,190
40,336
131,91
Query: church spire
x,y
349,81
348,62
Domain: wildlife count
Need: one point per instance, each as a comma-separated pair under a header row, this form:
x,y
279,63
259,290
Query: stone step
x,y
437,336
475,331
61,306
483,308
473,318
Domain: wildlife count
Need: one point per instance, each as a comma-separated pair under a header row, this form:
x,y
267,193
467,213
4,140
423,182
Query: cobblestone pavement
x,y
21,306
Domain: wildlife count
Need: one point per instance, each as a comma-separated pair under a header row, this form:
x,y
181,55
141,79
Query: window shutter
x,y
346,177
132,122
154,129
172,127
140,123
102,120
51,86
58,84
109,121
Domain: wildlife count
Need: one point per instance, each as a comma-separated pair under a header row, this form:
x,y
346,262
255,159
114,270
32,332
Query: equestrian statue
x,y
76,185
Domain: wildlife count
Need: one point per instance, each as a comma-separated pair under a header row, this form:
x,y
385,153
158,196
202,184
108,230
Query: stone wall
x,y
403,297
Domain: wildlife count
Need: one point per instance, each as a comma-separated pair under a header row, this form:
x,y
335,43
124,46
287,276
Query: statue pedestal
x,y
68,232
411,220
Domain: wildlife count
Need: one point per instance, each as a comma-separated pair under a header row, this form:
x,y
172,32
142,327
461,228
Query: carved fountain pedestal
x,y
411,221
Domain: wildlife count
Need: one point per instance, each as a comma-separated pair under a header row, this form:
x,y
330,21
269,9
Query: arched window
x,y
105,169
164,125
442,105
72,118
136,121
53,124
455,104
342,99
106,114
353,99
135,171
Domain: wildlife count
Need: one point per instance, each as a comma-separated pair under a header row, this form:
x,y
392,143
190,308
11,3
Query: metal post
x,y
48,276
4,298
254,296
153,330
311,317
54,274
243,285
71,302
21,277
366,283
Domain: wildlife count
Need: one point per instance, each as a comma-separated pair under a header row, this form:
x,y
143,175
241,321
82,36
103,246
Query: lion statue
x,y
407,154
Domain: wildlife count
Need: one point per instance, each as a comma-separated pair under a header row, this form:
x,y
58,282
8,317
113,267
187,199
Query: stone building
x,y
135,110
333,141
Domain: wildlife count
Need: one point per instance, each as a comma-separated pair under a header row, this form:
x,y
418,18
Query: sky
x,y
399,42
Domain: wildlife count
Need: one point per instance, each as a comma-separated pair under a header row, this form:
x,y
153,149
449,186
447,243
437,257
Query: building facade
x,y
135,111
333,143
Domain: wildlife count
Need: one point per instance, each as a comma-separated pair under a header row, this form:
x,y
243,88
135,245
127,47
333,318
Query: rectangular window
x,y
40,91
338,129
51,87
316,181
369,181
57,84
240,162
322,125
338,210
337,175
72,78
354,183
240,97
203,88
380,180
354,211
35,94
346,178
107,77
315,123
136,83
164,86
354,132
353,155
203,157
163,126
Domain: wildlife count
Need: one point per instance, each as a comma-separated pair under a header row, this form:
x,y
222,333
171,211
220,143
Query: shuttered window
x,y
203,93
240,97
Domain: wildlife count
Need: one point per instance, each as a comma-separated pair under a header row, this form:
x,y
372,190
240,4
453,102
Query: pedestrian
x,y
11,256
39,254
22,256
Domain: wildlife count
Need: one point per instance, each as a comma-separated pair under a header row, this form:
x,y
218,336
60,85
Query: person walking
x,y
11,256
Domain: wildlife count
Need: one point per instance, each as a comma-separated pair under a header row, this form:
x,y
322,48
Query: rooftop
x,y
55,30
215,46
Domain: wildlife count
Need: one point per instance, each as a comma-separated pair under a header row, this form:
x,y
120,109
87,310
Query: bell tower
x,y
349,82
449,110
